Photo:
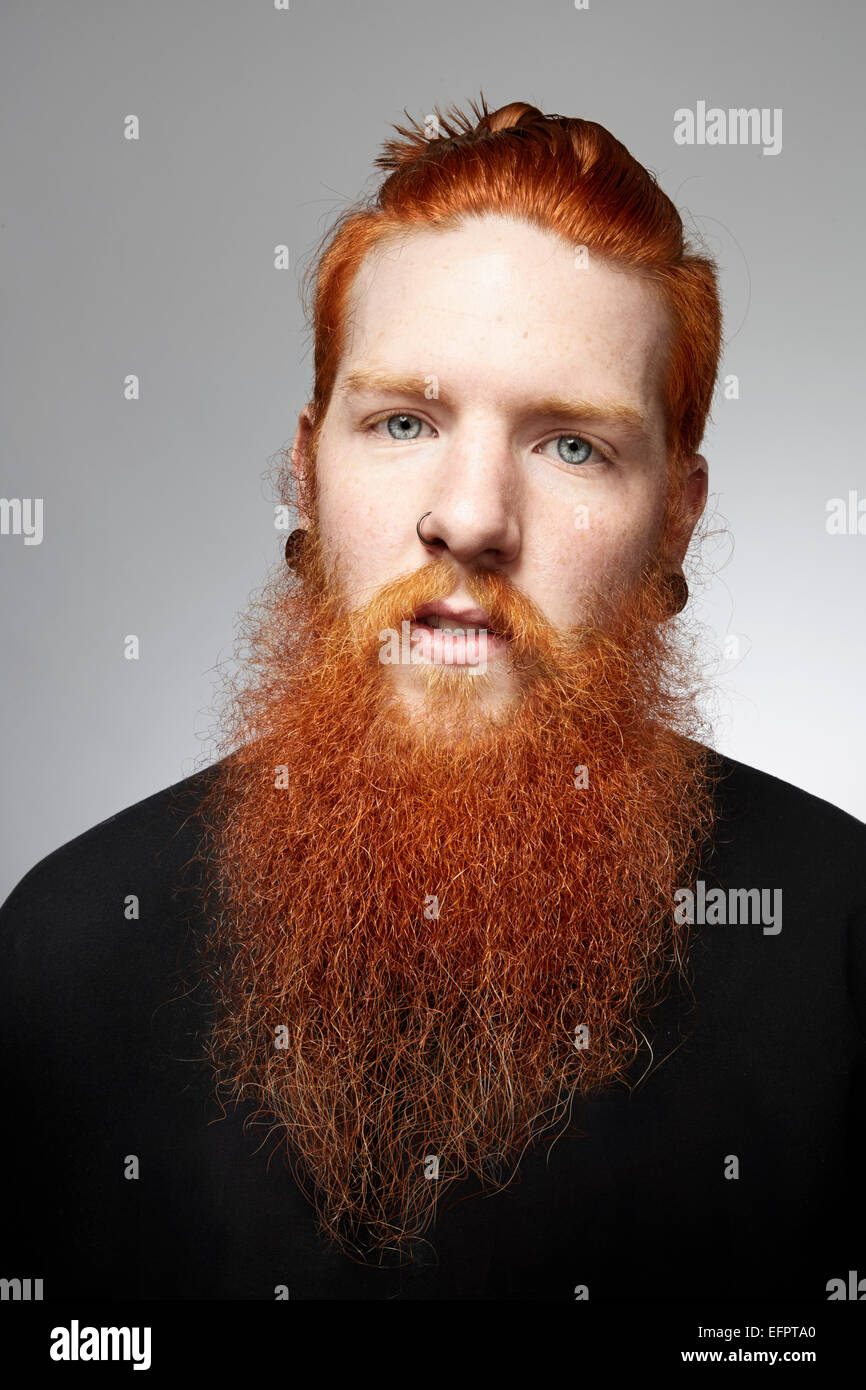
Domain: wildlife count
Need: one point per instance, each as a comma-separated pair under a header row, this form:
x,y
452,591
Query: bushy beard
x,y
426,938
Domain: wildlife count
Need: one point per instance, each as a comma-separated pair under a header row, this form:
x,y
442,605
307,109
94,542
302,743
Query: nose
x,y
472,513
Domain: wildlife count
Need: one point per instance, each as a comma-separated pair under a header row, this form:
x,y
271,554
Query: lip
x,y
440,648
468,617
433,646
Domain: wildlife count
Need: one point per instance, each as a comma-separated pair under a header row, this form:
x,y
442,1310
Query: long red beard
x,y
425,942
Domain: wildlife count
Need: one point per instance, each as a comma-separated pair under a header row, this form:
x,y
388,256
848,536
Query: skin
x,y
504,319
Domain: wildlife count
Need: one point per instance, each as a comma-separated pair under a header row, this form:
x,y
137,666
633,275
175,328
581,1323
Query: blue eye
x,y
573,448
404,428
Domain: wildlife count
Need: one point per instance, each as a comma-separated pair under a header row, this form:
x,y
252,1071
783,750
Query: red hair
x,y
563,175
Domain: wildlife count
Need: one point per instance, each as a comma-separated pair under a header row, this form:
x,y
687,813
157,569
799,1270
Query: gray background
x,y
156,257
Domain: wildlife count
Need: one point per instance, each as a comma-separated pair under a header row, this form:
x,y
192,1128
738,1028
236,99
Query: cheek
x,y
598,548
360,536
621,546
343,510
610,539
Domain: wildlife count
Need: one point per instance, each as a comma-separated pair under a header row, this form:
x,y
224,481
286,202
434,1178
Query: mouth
x,y
451,636
442,617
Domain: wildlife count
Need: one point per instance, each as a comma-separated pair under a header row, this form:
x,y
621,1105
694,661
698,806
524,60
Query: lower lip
x,y
475,649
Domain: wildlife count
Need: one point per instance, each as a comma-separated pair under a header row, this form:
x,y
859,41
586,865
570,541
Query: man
x,y
531,994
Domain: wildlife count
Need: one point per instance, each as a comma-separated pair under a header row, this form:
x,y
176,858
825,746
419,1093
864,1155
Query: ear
x,y
300,457
694,501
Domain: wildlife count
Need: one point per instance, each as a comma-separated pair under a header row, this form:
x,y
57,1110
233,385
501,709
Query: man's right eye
x,y
401,425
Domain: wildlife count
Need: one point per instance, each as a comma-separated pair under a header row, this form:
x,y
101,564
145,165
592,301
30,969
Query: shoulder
x,y
751,799
770,833
153,835
105,912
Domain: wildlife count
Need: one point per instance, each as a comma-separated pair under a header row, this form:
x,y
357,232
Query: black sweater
x,y
102,1060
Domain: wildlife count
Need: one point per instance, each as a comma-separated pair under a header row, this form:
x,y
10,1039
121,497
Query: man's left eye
x,y
574,449
402,425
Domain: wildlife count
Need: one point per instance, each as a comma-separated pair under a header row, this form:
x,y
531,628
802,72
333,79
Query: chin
x,y
453,705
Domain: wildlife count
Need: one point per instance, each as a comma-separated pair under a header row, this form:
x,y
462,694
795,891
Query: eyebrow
x,y
600,412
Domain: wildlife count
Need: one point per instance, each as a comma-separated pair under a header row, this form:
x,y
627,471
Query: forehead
x,y
498,306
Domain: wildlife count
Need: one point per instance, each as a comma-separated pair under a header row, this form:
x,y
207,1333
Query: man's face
x,y
493,380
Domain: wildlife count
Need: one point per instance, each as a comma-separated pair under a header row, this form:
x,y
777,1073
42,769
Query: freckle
x,y
526,334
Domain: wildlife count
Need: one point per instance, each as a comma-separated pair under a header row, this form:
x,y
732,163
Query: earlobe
x,y
677,592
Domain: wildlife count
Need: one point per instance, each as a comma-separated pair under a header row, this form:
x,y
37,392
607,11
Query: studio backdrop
x,y
169,170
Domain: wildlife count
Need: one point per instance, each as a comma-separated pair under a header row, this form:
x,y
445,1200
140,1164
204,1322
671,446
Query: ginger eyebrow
x,y
598,412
